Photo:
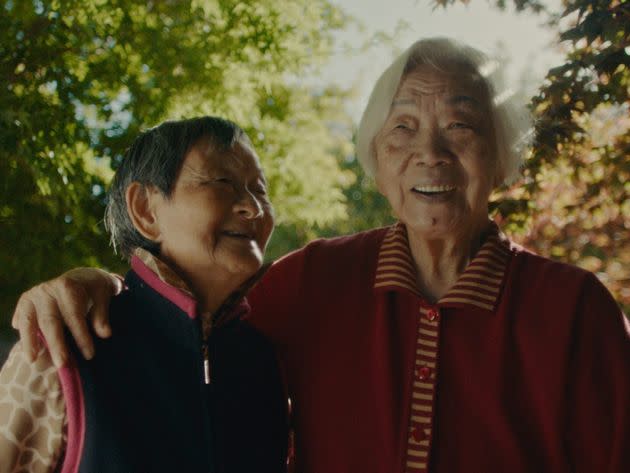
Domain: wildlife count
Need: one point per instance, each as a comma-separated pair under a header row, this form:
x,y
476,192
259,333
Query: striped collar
x,y
478,286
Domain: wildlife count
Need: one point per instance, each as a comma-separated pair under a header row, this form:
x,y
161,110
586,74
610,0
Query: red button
x,y
418,434
433,315
424,373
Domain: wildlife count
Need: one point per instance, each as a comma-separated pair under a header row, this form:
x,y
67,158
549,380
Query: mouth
x,y
433,191
239,234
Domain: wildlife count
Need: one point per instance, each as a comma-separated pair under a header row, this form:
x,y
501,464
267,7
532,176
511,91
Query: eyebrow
x,y
466,100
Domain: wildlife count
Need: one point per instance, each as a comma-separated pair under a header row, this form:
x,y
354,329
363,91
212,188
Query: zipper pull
x,y
206,363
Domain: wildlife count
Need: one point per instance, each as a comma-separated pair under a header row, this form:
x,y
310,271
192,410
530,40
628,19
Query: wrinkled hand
x,y
70,299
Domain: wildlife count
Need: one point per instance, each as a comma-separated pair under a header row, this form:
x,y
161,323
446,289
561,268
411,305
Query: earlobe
x,y
141,203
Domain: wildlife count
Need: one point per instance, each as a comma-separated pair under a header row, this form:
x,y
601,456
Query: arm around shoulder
x,y
276,297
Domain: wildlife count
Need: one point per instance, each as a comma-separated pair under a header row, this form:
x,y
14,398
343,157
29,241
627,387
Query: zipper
x,y
206,362
206,398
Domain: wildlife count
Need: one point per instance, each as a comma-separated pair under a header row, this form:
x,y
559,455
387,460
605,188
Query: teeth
x,y
433,188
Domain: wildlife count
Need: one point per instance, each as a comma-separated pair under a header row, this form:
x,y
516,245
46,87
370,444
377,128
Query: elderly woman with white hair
x,y
435,344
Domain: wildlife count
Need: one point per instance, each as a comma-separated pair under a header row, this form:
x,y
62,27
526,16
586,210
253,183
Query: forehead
x,y
457,88
206,154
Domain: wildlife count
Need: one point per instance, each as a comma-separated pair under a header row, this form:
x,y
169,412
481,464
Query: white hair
x,y
511,122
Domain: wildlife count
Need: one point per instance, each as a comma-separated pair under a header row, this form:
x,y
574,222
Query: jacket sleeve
x,y
32,414
599,385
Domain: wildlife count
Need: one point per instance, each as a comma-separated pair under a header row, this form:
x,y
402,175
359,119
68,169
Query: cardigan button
x,y
433,315
418,433
424,373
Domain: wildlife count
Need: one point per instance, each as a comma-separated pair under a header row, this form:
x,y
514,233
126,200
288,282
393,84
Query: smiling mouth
x,y
237,234
433,190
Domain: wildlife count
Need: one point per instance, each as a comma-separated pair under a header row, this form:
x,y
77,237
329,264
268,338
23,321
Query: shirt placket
x,y
423,390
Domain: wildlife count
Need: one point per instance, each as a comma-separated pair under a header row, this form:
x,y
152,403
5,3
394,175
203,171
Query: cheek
x,y
268,229
394,145
477,158
389,162
465,144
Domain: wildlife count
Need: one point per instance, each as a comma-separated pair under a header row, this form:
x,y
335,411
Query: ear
x,y
141,207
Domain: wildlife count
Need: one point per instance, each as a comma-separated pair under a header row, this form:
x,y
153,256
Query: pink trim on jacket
x,y
177,297
75,411
74,401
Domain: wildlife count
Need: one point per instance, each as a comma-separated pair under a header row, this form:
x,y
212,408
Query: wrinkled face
x,y
435,154
218,217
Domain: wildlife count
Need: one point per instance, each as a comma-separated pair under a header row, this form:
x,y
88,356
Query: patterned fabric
x,y
162,270
479,286
32,414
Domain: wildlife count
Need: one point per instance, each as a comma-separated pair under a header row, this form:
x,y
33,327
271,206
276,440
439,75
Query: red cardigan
x,y
524,366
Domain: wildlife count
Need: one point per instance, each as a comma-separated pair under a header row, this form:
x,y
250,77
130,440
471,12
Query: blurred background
x,y
80,79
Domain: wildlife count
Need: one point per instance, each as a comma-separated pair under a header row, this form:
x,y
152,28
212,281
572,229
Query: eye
x,y
404,126
260,190
459,126
222,180
404,123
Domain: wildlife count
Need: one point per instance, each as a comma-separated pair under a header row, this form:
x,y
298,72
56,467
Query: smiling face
x,y
435,154
218,218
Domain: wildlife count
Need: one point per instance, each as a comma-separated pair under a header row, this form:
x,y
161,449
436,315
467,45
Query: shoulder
x,y
557,284
540,269
32,412
136,297
325,261
353,243
338,249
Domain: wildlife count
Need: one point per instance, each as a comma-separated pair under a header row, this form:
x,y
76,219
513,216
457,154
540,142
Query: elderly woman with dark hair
x,y
435,344
184,375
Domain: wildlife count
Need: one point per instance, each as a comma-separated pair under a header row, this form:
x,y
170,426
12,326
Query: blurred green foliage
x,y
574,201
80,79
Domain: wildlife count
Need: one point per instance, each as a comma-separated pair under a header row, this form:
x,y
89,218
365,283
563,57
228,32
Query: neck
x,y
212,290
440,262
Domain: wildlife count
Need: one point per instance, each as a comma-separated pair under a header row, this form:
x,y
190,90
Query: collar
x,y
478,286
163,279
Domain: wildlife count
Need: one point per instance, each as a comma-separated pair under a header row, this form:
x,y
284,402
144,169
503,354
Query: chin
x,y
435,227
245,267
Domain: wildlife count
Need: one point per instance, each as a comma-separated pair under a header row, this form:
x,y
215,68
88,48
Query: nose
x,y
431,149
248,206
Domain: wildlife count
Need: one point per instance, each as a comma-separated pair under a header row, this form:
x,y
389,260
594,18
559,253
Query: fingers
x,y
50,324
100,316
24,320
66,300
101,295
74,303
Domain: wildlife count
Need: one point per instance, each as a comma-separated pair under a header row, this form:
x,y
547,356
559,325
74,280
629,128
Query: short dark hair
x,y
155,159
